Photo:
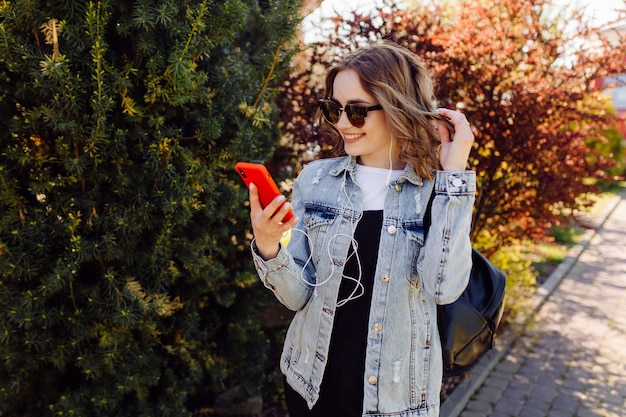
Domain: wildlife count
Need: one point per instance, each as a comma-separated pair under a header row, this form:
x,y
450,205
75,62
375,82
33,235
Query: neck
x,y
396,163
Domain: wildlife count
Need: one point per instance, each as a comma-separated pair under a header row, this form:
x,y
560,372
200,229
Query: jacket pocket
x,y
317,221
415,237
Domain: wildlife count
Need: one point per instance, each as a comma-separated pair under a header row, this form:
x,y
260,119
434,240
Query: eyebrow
x,y
356,101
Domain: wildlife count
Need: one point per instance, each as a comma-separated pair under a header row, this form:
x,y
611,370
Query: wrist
x,y
265,251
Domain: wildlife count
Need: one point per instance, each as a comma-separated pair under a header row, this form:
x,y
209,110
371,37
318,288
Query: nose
x,y
343,121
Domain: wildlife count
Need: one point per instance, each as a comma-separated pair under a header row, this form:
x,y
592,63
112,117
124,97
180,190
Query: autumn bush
x,y
520,73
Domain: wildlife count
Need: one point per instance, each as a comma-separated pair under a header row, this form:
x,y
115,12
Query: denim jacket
x,y
403,365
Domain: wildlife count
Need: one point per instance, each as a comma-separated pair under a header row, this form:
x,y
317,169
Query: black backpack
x,y
467,327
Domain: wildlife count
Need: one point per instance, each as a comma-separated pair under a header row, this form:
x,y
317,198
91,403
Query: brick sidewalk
x,y
571,360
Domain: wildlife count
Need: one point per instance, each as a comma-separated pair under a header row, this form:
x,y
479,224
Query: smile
x,y
353,138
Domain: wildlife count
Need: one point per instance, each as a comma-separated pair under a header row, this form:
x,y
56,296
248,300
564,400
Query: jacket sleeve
x,y
445,261
291,274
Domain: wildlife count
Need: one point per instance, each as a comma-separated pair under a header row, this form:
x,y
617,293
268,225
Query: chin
x,y
351,150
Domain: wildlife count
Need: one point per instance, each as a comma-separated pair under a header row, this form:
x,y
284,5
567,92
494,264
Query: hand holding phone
x,y
267,189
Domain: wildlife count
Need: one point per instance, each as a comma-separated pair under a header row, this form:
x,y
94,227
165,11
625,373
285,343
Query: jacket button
x,y
384,278
391,230
372,380
398,187
377,327
457,182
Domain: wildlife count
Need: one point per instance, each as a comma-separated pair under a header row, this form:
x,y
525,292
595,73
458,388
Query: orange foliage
x,y
527,88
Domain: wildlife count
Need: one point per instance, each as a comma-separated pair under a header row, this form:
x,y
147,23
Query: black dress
x,y
341,392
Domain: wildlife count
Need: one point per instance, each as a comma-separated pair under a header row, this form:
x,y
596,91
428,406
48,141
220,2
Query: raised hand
x,y
455,150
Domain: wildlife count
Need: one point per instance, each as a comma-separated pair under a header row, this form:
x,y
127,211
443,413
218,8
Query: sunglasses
x,y
356,114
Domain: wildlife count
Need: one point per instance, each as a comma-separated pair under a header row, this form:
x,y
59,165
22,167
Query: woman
x,y
358,271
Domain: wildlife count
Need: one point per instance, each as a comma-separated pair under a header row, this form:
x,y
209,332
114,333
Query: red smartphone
x,y
258,174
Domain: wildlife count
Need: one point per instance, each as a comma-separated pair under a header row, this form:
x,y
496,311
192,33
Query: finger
x,y
274,207
458,119
462,129
444,132
255,203
291,223
276,210
283,211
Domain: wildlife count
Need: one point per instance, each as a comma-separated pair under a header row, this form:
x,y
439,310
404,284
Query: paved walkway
x,y
571,360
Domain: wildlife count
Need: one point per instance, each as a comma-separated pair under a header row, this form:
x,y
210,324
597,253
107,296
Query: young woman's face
x,y
371,141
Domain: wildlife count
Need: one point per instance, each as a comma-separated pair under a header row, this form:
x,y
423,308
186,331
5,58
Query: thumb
x,y
254,197
444,132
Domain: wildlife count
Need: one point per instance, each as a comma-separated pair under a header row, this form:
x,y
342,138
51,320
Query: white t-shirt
x,y
373,182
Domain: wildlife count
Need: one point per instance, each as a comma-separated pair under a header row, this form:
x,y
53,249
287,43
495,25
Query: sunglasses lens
x,y
356,114
331,111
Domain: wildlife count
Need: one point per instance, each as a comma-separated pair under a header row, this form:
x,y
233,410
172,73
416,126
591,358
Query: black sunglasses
x,y
356,114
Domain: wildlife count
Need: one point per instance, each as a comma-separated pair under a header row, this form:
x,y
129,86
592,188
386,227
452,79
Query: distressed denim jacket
x,y
403,365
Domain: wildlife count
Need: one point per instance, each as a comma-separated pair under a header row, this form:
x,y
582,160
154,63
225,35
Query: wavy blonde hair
x,y
401,84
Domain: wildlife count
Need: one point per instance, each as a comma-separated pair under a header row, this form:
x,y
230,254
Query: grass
x,y
546,257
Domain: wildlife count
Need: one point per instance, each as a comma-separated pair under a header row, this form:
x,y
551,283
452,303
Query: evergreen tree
x,y
125,282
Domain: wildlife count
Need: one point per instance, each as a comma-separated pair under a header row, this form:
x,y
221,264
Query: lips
x,y
353,137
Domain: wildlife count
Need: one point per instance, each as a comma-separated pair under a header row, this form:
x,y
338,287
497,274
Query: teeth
x,y
352,136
